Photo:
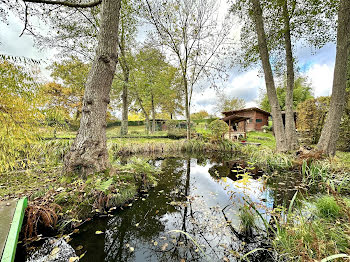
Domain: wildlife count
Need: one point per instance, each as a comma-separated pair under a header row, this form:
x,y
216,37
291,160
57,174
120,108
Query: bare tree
x,y
192,34
88,153
330,131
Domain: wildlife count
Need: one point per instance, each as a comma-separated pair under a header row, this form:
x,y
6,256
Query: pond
x,y
194,213
191,215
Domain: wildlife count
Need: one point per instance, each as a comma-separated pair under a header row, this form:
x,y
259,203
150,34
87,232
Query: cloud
x,y
244,85
321,76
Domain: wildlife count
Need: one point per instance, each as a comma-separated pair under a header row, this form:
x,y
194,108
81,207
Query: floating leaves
x,y
99,232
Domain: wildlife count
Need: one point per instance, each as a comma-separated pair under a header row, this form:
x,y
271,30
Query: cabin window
x,y
259,120
250,120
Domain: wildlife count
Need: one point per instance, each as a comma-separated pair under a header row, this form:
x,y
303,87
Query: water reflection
x,y
201,199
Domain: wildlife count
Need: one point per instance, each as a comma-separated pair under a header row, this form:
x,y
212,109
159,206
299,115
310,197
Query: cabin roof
x,y
234,118
247,109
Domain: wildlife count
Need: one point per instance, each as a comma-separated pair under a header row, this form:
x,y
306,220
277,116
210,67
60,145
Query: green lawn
x,y
265,139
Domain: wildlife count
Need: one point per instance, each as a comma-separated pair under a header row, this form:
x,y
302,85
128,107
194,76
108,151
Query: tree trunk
x,y
124,124
187,109
330,131
126,72
269,81
291,134
88,153
145,113
153,117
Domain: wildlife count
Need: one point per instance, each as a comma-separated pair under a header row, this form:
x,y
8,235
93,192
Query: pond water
x,y
191,215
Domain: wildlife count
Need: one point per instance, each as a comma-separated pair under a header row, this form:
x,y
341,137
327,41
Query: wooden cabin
x,y
247,119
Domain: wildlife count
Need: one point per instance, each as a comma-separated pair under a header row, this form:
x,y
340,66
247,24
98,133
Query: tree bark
x,y
153,116
291,135
330,132
88,153
269,81
124,124
126,73
145,113
187,110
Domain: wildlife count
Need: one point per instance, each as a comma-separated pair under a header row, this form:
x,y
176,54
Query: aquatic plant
x,y
247,220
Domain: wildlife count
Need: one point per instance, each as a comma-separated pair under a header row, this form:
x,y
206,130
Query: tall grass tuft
x,y
327,207
247,220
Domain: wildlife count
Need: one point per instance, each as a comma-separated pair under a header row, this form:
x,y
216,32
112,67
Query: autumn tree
x,y
127,34
330,131
311,116
19,116
202,114
153,83
72,74
193,35
88,153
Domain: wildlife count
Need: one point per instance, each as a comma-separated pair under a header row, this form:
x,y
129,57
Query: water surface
x,y
201,198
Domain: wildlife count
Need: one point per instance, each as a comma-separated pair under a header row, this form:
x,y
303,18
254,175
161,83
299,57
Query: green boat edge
x,y
9,252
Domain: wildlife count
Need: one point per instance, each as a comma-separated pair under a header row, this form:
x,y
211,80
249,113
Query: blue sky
x,y
317,65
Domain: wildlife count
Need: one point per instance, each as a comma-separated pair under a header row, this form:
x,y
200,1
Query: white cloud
x,y
321,76
245,85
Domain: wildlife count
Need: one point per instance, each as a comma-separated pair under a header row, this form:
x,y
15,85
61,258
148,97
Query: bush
x,y
267,128
218,128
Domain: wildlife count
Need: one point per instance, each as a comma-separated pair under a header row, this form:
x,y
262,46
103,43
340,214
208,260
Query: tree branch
x,y
25,19
65,3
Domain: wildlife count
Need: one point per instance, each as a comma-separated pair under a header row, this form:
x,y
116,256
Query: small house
x,y
247,119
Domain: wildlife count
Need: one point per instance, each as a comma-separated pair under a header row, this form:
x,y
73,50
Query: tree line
x,y
196,41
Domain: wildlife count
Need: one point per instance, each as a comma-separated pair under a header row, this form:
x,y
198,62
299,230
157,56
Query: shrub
x,y
218,128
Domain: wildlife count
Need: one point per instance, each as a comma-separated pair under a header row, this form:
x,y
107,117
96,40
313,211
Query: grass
x,y
327,207
247,220
265,139
315,231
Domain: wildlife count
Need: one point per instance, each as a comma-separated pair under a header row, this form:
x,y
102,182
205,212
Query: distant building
x,y
247,119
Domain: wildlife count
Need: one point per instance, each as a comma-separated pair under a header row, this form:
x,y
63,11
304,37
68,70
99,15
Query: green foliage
x,y
226,103
72,73
311,116
218,128
301,92
155,84
327,207
247,220
317,238
200,115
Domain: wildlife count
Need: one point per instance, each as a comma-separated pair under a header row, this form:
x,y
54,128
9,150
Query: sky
x,y
316,65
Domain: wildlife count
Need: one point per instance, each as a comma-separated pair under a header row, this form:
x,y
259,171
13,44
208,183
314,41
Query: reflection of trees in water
x,y
147,215
151,220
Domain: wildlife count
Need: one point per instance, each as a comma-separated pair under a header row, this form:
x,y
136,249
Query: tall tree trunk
x,y
187,110
269,81
124,124
145,113
126,73
330,131
88,153
291,134
153,116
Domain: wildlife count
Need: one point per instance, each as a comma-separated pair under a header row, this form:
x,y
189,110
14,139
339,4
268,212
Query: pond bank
x,y
80,199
